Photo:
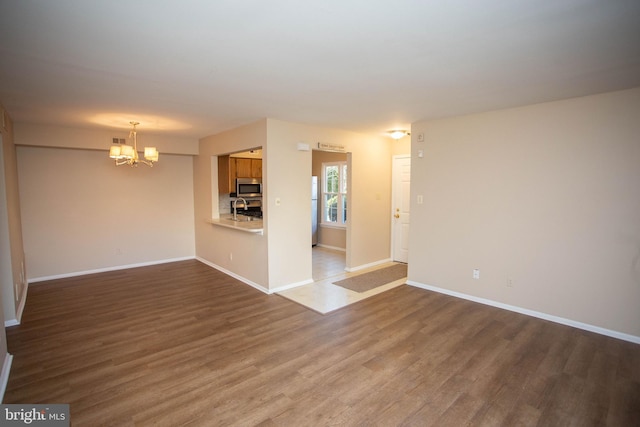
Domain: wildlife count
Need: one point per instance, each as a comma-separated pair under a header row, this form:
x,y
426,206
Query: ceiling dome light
x,y
397,134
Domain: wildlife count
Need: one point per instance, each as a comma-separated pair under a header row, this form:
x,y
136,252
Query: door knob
x,y
397,215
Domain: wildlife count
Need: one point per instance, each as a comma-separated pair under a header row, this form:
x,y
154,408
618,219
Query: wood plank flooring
x,y
183,344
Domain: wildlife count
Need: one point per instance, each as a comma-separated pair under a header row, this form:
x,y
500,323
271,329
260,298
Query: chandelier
x,y
128,155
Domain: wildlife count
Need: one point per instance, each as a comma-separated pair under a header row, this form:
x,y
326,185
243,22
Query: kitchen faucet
x,y
235,210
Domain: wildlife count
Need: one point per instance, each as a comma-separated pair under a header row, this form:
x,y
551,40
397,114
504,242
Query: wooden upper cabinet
x,y
230,168
248,168
226,177
233,173
243,168
256,168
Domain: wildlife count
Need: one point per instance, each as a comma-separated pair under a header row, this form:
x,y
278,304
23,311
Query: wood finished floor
x,y
183,344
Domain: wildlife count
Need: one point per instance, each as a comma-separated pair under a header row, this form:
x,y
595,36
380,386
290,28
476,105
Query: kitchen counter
x,y
248,226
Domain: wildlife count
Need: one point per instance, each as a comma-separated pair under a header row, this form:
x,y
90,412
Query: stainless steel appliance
x,y
314,210
248,187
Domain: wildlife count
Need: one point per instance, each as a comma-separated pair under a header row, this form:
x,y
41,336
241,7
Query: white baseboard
x,y
253,284
532,313
234,275
4,375
364,266
23,302
104,270
333,248
18,319
291,286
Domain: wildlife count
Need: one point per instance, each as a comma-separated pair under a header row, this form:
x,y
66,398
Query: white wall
x,y
94,139
214,244
401,146
368,235
282,256
6,279
14,283
81,213
329,236
288,224
548,195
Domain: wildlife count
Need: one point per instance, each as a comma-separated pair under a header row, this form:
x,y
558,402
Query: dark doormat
x,y
373,279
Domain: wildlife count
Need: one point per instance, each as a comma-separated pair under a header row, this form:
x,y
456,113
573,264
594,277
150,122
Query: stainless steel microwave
x,y
248,187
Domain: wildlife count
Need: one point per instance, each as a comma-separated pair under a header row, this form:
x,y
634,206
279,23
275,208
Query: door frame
x,y
395,187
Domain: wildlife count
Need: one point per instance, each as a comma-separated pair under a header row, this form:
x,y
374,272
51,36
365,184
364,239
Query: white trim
x,y
533,313
18,319
104,270
4,376
371,264
340,164
290,286
235,276
335,248
253,284
333,225
23,302
394,185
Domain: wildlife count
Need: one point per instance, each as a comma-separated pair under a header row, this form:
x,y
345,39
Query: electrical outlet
x,y
510,282
476,273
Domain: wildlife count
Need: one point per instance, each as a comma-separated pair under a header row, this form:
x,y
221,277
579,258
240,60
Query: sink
x,y
243,218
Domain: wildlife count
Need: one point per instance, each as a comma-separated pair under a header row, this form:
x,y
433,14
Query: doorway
x,y
327,263
330,253
401,203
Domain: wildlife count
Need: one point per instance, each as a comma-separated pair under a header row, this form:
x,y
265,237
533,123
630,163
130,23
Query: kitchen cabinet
x,y
226,176
243,168
256,168
248,168
230,168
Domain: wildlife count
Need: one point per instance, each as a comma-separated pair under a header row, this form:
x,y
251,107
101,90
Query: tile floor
x,y
322,295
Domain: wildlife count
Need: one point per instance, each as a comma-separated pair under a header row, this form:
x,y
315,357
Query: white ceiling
x,y
197,67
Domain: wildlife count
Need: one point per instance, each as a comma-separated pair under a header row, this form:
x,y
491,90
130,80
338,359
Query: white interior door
x,y
401,198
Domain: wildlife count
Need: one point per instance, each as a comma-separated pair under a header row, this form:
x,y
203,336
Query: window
x,y
334,193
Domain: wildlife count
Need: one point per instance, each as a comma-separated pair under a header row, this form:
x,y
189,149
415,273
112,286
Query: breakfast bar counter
x,y
243,223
